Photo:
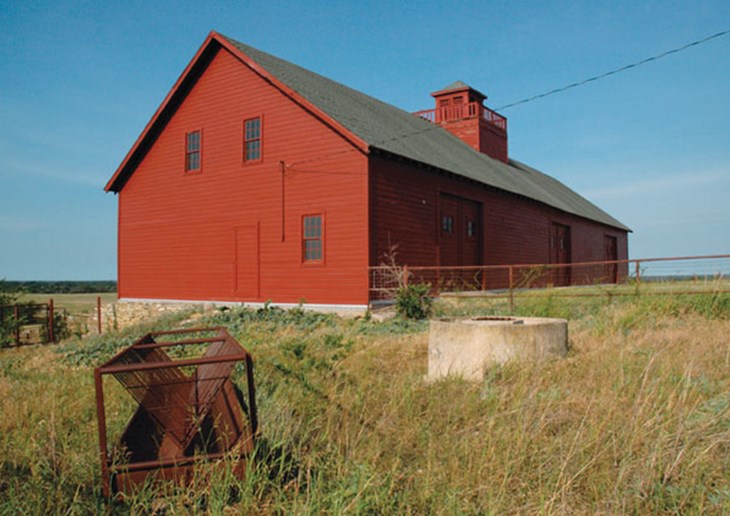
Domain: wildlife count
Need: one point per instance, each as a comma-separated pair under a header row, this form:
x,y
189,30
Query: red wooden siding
x,y
206,235
405,209
480,135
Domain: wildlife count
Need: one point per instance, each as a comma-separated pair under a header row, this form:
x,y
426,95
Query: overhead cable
x,y
617,70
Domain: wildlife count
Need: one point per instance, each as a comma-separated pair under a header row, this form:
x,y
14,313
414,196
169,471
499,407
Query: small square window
x,y
312,241
192,151
252,139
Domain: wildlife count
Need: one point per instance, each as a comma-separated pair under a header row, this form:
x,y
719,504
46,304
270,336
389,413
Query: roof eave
x,y
126,168
120,176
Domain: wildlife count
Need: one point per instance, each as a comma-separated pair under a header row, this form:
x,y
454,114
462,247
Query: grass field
x,y
635,420
73,303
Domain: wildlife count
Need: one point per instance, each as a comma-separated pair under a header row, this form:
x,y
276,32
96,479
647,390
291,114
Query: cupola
x,y
460,110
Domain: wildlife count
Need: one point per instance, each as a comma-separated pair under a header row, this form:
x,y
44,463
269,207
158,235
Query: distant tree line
x,y
60,287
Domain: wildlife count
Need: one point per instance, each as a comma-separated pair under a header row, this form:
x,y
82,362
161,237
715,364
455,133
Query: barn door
x,y
470,229
560,253
449,232
460,242
247,262
611,254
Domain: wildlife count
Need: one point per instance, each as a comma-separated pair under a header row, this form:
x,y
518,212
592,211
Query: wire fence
x,y
43,323
651,276
30,323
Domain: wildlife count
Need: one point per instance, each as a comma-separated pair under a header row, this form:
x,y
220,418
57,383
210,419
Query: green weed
x,y
635,420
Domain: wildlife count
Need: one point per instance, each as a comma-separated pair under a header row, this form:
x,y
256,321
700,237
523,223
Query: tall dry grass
x,y
635,420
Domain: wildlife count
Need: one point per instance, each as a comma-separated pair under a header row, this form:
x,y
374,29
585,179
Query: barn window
x,y
192,151
447,224
252,139
312,241
470,228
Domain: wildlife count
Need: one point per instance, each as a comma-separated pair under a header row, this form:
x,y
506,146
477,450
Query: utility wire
x,y
617,70
523,101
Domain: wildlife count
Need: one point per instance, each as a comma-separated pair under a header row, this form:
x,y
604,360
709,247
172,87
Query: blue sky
x,y
651,146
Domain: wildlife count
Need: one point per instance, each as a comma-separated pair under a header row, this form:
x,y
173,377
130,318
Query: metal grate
x,y
188,408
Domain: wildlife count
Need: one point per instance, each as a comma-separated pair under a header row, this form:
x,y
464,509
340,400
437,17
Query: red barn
x,y
259,180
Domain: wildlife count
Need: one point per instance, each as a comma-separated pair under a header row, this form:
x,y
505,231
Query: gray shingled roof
x,y
393,130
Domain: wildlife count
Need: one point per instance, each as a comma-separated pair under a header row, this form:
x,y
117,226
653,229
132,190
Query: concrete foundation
x,y
467,346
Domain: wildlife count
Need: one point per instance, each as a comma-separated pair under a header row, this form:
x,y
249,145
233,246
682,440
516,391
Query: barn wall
x,y
195,236
404,212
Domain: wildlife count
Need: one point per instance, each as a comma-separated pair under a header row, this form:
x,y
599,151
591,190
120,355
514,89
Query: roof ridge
x,y
370,122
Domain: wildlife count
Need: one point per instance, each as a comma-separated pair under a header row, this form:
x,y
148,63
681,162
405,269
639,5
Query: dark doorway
x,y
560,253
460,241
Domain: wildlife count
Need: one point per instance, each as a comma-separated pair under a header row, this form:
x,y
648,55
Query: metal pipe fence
x,y
650,276
43,323
30,323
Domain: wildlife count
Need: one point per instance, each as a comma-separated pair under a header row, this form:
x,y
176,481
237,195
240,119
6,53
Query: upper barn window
x,y
192,151
252,139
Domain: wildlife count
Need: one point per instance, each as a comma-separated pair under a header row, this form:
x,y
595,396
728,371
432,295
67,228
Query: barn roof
x,y
387,128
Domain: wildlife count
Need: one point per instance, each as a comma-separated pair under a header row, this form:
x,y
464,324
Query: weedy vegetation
x,y
635,420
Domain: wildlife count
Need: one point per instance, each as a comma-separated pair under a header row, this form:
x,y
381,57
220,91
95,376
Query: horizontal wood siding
x,y
177,231
404,213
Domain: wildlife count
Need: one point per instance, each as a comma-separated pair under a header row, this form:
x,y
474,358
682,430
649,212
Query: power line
x,y
524,101
617,70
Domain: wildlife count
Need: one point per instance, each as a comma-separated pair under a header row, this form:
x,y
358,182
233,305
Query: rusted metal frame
x,y
144,366
159,408
101,426
511,291
187,379
16,314
187,330
166,463
186,342
197,396
571,264
253,414
483,268
680,258
119,354
613,293
50,314
135,369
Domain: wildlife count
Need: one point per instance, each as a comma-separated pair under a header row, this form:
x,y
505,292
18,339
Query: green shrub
x,y
413,301
8,324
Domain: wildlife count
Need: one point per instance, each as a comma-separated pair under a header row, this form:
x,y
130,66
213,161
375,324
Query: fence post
x,y
51,321
638,276
98,314
405,275
511,294
16,313
484,279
